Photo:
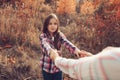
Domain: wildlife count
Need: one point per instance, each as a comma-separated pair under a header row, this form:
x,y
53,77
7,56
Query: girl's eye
x,y
52,23
55,23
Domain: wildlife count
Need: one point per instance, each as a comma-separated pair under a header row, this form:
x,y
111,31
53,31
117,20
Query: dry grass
x,y
21,24
25,65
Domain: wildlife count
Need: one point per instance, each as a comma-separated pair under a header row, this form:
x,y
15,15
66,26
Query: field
x,y
89,24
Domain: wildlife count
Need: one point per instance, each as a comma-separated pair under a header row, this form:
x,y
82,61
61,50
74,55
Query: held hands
x,y
54,54
82,53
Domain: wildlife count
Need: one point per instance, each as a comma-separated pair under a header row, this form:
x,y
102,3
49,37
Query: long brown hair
x,y
56,33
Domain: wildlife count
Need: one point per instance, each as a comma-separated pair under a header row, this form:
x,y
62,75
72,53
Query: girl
x,y
51,39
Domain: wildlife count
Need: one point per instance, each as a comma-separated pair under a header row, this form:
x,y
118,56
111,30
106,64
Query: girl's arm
x,y
71,47
46,48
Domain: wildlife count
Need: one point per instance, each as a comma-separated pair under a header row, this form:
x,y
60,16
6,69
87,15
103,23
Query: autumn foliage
x,y
66,6
96,26
87,8
19,22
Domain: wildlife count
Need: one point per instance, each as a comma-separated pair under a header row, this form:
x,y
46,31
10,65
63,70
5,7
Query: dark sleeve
x,y
71,47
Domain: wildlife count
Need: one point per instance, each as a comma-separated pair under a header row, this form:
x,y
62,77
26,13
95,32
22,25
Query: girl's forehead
x,y
53,20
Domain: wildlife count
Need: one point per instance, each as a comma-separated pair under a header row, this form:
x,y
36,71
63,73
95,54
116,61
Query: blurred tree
x,y
66,6
87,8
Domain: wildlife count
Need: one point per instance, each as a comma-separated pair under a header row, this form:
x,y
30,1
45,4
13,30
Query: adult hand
x,y
53,54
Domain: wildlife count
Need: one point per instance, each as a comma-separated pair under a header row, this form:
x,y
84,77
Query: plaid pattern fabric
x,y
46,44
103,66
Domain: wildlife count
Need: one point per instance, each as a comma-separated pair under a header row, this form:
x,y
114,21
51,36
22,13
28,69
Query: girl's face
x,y
52,26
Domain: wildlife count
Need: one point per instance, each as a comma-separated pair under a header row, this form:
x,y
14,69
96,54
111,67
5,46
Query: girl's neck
x,y
51,34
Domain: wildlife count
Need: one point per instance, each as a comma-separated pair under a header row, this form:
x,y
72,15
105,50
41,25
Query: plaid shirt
x,y
103,66
46,44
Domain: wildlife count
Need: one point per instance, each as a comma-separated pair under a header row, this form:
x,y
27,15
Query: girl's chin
x,y
52,31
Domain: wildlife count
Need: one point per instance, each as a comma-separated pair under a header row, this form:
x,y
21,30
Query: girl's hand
x,y
82,53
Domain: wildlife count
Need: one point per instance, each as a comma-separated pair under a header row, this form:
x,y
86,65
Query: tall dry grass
x,y
21,23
